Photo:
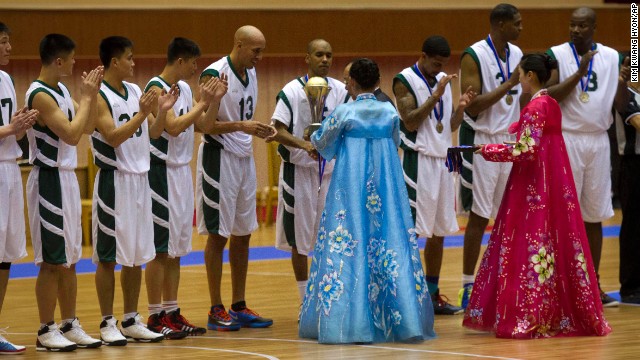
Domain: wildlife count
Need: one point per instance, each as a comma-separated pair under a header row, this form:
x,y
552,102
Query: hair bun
x,y
550,63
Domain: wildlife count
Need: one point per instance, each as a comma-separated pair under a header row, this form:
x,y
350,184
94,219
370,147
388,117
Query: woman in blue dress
x,y
366,281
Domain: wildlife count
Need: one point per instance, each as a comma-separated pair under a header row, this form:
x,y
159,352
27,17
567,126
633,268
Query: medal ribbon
x,y
495,54
438,112
583,86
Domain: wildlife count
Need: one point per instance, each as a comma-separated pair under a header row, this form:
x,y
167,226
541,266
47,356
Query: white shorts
x,y
53,200
435,197
489,178
299,207
591,166
225,192
122,220
12,231
172,208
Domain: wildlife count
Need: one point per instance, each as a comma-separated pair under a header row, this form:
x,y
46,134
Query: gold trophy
x,y
317,90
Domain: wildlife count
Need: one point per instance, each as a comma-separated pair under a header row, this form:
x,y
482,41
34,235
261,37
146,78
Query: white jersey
x,y
497,118
292,109
595,115
426,139
9,149
238,104
132,156
174,150
45,148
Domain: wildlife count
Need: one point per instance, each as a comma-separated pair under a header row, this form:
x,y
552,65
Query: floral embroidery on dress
x,y
569,197
341,241
332,122
373,203
330,289
582,268
543,264
534,199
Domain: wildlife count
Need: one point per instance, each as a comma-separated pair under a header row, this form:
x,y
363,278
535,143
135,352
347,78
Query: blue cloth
x,y
366,282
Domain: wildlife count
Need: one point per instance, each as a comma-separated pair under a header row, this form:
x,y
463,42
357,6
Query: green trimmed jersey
x,y
238,104
174,150
46,149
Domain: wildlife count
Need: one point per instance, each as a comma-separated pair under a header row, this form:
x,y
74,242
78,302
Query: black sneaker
x,y
634,298
178,322
220,320
608,301
441,305
158,324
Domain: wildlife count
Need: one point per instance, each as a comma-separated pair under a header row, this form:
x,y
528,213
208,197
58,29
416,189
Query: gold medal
x,y
439,127
509,99
584,97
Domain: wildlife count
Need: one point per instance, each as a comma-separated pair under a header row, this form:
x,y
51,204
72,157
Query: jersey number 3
x,y
248,104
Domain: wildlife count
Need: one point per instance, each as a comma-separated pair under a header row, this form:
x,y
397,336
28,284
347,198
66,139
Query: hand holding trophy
x,y
317,90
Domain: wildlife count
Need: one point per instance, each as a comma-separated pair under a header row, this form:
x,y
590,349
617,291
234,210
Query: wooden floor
x,y
272,292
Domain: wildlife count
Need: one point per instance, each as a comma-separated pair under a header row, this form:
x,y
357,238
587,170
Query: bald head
x,y
248,45
585,13
317,43
248,32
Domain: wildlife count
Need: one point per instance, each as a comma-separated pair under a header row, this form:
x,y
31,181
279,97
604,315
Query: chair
x,y
87,203
270,192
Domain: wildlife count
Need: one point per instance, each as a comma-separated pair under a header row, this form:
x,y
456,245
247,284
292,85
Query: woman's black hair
x,y
540,64
365,72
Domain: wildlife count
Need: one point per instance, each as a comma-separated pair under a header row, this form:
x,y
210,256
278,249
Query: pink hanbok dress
x,y
536,278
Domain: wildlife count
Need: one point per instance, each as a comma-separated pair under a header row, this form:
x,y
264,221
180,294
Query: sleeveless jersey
x,y
497,118
292,109
238,104
131,156
426,139
9,149
45,147
595,115
174,150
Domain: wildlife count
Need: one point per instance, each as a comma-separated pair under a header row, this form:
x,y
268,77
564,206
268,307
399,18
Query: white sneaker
x,y
50,339
109,333
134,329
7,348
73,332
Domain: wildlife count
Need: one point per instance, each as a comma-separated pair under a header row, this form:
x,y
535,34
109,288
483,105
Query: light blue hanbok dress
x,y
366,282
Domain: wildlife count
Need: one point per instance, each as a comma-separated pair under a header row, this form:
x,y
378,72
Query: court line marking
x,y
366,347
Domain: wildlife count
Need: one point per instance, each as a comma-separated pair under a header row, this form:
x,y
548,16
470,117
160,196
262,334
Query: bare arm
x,y
560,90
465,99
211,94
250,127
470,77
411,114
116,136
164,107
622,94
52,117
22,120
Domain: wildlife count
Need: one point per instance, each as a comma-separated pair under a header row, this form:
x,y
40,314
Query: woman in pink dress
x,y
536,278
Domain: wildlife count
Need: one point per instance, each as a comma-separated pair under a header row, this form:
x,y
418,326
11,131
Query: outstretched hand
x,y
584,62
91,81
625,71
168,99
467,97
147,101
442,85
23,119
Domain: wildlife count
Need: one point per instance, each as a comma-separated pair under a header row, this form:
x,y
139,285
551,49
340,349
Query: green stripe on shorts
x,y
106,244
49,189
159,185
466,136
410,168
288,219
211,162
